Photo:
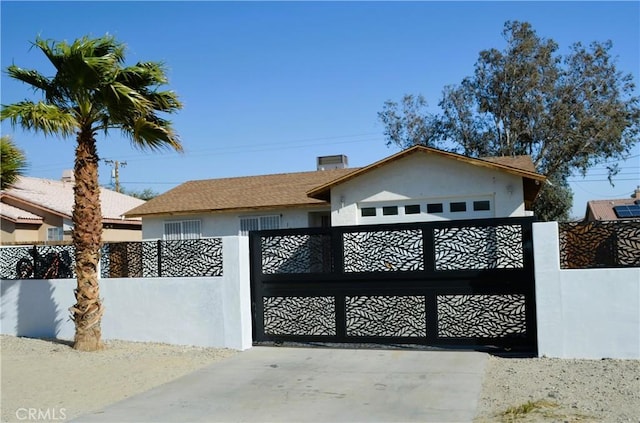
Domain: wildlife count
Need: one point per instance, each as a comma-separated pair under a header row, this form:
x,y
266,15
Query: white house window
x,y
481,205
181,229
390,210
368,211
258,223
458,206
55,234
434,208
412,209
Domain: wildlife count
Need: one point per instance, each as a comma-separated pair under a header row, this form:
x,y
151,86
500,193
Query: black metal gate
x,y
466,282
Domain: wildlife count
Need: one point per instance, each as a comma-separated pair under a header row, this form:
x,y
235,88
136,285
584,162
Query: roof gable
x,y
519,165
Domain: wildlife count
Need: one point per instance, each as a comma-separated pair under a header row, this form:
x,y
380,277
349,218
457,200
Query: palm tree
x,y
93,91
13,162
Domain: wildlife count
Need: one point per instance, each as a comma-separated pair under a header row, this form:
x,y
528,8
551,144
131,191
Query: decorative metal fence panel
x,y
383,251
296,254
184,258
586,245
37,262
470,247
437,283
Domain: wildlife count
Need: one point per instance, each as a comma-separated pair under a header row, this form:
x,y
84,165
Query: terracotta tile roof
x,y
16,214
240,193
603,209
57,197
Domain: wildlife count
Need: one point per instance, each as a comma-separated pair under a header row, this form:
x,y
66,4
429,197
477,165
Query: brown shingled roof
x,y
241,193
517,162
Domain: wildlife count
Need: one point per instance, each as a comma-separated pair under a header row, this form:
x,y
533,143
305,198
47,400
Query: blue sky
x,y
269,86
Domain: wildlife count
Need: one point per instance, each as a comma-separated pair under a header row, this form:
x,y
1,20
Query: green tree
x,y
568,113
93,91
13,162
146,194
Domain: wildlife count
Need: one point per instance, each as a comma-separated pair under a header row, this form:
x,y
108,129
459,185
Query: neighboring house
x,y
417,184
619,209
36,210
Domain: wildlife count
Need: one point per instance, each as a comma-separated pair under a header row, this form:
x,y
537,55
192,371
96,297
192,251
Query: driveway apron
x,y
285,384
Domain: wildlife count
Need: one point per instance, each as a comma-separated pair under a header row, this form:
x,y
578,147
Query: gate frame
x,y
429,283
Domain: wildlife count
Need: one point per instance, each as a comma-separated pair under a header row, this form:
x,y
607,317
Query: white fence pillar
x,y
237,291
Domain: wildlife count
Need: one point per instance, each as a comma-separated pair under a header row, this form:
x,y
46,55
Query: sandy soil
x,y
54,380
55,383
560,390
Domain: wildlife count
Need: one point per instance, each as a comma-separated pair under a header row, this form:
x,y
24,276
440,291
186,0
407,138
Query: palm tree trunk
x,y
87,234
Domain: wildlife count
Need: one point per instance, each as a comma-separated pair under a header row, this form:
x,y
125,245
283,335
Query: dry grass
x,y
515,413
539,411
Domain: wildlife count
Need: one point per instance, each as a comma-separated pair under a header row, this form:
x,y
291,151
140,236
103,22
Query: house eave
x,y
311,205
24,221
36,206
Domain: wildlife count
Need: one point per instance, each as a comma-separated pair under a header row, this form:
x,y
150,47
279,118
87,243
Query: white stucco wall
x,y
227,224
207,312
584,313
422,179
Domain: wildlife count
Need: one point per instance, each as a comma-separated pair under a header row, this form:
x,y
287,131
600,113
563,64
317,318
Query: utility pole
x,y
115,174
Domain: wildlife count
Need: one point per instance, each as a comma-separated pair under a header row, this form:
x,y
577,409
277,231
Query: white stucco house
x,y
417,184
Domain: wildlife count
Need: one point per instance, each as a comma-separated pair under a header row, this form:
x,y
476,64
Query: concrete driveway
x,y
285,384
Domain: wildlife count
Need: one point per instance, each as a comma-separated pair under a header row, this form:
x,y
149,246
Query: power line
x,y
617,174
604,180
242,149
607,195
153,183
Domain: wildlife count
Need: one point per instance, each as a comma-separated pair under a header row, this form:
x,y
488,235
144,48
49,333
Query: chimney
x,y
339,161
67,175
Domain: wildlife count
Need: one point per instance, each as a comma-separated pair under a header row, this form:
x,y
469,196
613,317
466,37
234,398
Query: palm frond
x,y
13,162
40,117
30,77
164,101
91,87
119,99
51,50
144,74
145,133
